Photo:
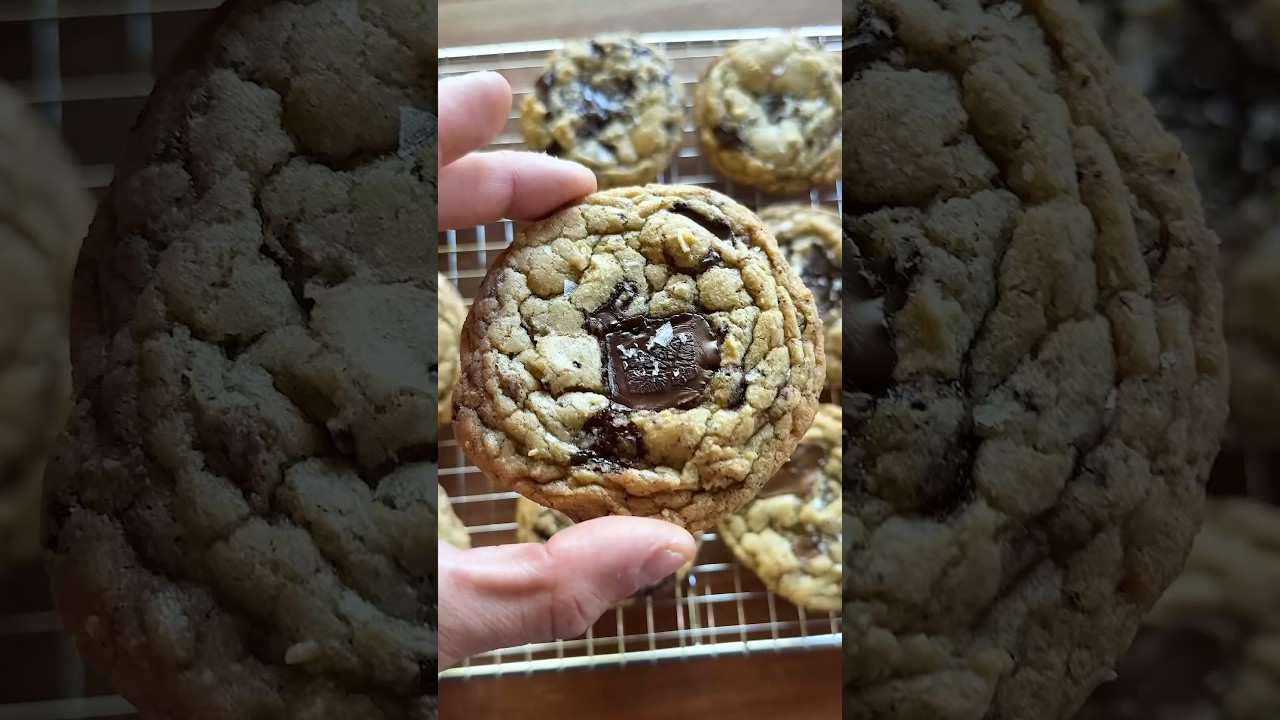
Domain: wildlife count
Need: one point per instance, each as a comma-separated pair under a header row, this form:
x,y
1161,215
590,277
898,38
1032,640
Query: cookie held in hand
x,y
648,351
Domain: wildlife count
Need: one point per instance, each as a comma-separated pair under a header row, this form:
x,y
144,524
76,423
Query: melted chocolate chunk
x,y
600,106
868,39
611,312
1169,673
656,364
799,474
823,277
729,139
872,292
717,226
609,435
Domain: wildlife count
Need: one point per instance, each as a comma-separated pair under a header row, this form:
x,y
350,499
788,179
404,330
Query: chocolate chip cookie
x,y
1040,379
44,214
238,513
453,311
610,103
535,523
812,241
768,114
789,535
647,351
1210,650
449,527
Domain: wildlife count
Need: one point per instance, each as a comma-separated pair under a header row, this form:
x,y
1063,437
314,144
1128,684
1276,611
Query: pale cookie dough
x,y
812,240
238,515
453,312
612,104
535,523
44,215
1210,650
768,114
449,526
647,351
1040,380
789,535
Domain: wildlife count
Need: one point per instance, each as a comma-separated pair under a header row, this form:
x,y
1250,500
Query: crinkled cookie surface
x,y
1035,373
44,214
789,535
768,114
647,351
612,104
1210,650
237,515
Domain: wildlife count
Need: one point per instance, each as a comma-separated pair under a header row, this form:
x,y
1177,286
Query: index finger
x,y
472,110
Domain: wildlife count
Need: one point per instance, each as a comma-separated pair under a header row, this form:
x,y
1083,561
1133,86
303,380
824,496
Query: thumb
x,y
495,597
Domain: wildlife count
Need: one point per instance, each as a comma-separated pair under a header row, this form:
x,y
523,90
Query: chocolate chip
x,y
717,226
597,49
808,546
728,139
798,475
823,277
609,435
869,39
774,105
710,260
555,149
661,363
875,290
543,88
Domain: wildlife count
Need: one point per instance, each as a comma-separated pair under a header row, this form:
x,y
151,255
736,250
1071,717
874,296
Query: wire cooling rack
x,y
722,607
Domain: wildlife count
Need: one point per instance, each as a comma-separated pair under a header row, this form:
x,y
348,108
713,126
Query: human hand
x,y
494,597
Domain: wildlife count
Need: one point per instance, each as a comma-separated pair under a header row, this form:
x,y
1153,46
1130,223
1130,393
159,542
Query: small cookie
x,y
1037,376
647,351
789,535
449,526
535,523
453,312
44,214
611,104
1210,649
812,240
237,515
768,114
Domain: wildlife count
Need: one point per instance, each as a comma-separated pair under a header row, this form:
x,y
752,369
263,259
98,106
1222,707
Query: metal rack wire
x,y
722,608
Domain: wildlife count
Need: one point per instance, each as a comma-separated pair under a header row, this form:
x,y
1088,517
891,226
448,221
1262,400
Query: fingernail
x,y
659,565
